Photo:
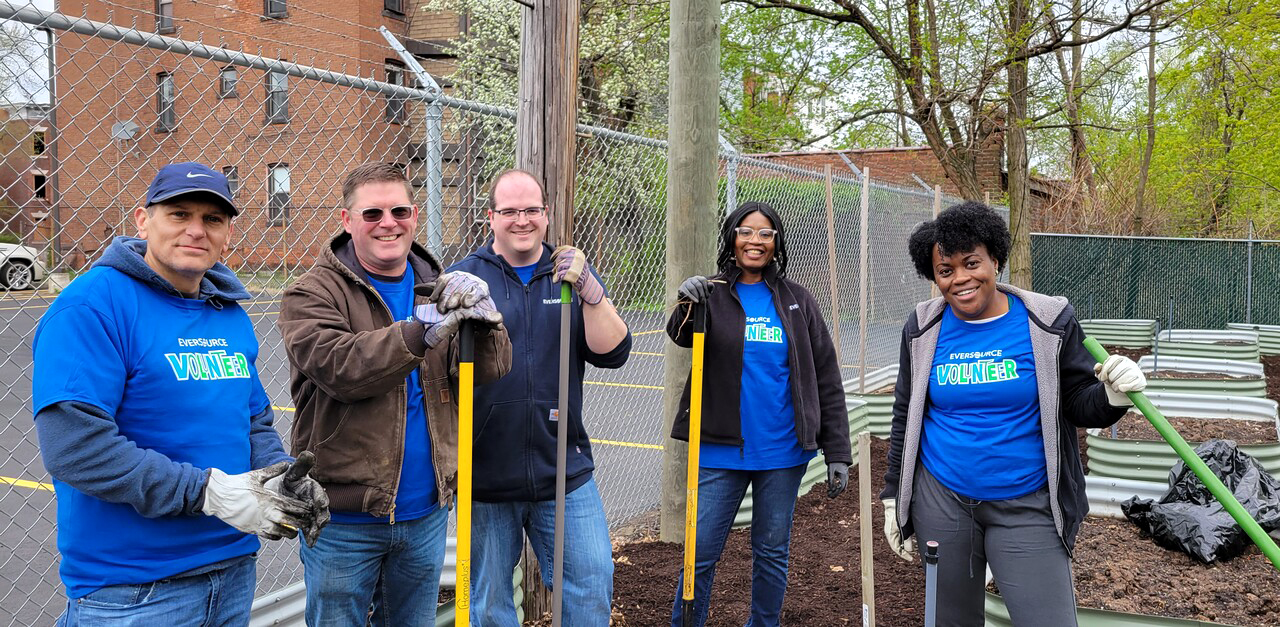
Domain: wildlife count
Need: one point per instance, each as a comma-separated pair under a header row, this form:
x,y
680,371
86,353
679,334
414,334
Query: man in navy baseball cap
x,y
177,179
163,433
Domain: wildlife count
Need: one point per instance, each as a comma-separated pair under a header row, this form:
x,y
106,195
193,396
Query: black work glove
x,y
696,289
837,478
298,484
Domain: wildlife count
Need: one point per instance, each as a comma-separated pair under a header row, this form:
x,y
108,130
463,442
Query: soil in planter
x,y
1182,374
824,580
1135,426
1132,353
1118,568
888,389
1271,365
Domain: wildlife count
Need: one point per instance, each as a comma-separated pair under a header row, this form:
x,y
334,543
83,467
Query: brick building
x,y
284,142
24,169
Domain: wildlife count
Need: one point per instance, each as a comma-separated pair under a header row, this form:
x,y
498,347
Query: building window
x,y
164,17
227,79
277,193
233,180
396,110
394,7
38,184
165,119
277,97
274,8
37,143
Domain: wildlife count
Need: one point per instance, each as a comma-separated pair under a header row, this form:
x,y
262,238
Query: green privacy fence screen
x,y
1206,283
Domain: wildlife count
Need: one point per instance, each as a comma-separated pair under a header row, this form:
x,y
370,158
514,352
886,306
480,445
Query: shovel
x,y
691,481
466,396
562,437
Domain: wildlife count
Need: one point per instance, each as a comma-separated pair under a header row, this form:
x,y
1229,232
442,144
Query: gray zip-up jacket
x,y
1070,397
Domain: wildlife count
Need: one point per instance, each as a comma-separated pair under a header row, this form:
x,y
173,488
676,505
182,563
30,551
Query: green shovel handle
x,y
1193,461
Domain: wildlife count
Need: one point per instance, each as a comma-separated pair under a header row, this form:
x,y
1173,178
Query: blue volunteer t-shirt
x,y
179,376
525,272
981,434
768,419
416,494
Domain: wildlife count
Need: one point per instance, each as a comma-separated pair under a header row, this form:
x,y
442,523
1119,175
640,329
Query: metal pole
x,y
1248,281
1171,314
51,145
562,440
831,268
435,139
864,275
867,535
730,176
931,583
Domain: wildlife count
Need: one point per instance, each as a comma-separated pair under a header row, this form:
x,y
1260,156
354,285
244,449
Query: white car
x,y
20,267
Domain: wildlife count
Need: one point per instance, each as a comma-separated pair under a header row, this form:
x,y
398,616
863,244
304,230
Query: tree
x,y
23,64
951,61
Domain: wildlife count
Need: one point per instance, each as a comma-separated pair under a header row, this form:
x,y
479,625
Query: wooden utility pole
x,y
546,120
546,125
692,169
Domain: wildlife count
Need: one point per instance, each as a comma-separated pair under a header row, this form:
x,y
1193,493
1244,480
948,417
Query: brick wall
x,y
897,165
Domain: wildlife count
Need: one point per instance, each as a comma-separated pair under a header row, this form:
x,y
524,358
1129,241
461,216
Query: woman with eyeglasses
x,y
772,400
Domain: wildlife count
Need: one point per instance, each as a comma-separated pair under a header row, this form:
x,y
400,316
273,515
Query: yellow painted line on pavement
x,y
655,447
263,313
25,483
647,332
283,408
648,354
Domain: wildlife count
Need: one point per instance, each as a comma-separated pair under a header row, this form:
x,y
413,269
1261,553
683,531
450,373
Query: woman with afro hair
x,y
773,397
993,382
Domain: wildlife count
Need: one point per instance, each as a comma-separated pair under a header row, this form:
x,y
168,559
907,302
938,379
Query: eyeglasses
x,y
373,215
748,233
527,213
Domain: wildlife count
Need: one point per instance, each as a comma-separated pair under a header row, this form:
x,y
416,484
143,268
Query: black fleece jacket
x,y
817,393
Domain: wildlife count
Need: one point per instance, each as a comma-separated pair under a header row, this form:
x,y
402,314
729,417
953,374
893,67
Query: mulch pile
x,y
1115,567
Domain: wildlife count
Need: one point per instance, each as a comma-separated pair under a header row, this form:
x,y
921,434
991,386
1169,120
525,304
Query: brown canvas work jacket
x,y
349,360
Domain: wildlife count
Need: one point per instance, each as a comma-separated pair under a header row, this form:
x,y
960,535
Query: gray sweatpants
x,y
1016,537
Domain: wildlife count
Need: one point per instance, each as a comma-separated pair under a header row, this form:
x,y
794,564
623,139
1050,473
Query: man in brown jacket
x,y
374,382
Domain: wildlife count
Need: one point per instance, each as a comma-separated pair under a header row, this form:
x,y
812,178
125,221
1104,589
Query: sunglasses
x,y
398,212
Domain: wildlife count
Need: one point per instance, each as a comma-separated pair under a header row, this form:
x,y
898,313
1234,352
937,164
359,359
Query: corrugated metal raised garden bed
x,y
1268,335
1209,343
1196,375
1146,457
1120,332
878,395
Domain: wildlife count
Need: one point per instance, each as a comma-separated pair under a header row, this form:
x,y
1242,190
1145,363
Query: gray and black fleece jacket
x,y
1071,397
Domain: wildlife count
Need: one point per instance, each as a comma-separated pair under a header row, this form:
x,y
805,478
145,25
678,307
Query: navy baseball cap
x,y
177,179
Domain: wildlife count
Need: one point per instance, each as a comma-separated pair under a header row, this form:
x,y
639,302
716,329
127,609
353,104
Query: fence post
x,y
1248,281
730,175
864,273
435,140
831,266
937,208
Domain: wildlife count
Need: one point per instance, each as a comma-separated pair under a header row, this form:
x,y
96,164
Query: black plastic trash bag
x,y
1189,519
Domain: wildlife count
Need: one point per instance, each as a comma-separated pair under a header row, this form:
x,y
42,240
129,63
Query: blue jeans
x,y
498,538
720,494
393,568
214,599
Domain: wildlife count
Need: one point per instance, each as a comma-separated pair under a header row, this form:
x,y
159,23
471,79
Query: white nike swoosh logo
x,y
192,175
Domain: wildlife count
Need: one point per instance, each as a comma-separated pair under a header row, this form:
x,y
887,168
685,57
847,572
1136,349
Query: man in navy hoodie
x,y
515,441
155,427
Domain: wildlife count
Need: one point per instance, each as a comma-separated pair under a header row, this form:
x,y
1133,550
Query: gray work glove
x,y
483,312
297,483
696,289
246,503
837,478
571,266
1118,375
438,327
893,534
454,290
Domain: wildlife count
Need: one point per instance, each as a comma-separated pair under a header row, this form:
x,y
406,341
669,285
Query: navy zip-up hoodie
x,y
515,435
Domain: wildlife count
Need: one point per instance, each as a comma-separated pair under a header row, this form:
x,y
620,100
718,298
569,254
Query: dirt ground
x,y
1115,568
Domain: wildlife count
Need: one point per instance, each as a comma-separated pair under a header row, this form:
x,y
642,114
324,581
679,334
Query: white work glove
x,y
437,327
1118,375
893,534
571,266
246,503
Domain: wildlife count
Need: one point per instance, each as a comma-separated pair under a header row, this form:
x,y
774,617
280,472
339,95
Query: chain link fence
x,y
81,143
1183,283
